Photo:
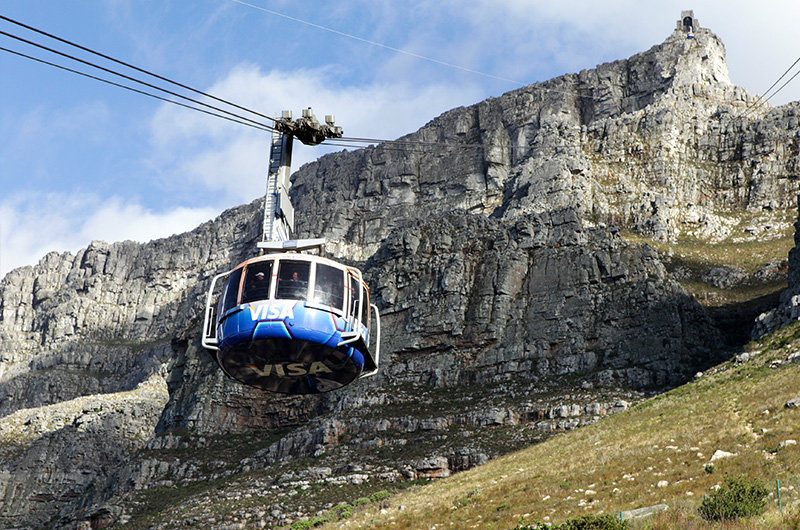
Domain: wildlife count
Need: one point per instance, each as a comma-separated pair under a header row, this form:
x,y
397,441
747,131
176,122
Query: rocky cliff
x,y
495,240
661,143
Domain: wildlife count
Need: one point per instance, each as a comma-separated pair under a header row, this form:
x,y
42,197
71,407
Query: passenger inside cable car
x,y
257,282
293,280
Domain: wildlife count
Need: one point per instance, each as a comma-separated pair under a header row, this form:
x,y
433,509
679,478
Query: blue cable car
x,y
292,323
289,322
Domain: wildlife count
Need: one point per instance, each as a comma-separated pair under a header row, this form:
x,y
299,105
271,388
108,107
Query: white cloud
x,y
231,160
33,225
116,220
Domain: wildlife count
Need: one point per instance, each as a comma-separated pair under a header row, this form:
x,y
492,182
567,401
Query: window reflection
x,y
355,309
257,280
329,286
231,291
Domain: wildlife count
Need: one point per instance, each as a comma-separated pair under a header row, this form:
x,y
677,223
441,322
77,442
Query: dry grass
x,y
655,453
685,518
746,255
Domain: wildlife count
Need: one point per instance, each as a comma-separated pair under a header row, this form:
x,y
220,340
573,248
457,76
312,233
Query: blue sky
x,y
83,161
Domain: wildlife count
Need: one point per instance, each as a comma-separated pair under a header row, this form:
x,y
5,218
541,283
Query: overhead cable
x,y
133,67
350,142
215,111
784,85
763,98
781,77
129,78
119,85
443,63
415,55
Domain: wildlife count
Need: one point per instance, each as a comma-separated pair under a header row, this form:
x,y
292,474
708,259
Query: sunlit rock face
x,y
661,143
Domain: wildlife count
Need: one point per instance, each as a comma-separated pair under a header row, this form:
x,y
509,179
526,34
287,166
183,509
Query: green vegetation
x,y
787,339
224,448
696,254
739,496
684,517
342,511
689,258
587,522
379,496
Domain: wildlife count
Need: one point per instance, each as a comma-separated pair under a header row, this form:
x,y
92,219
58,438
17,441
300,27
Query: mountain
x,y
530,258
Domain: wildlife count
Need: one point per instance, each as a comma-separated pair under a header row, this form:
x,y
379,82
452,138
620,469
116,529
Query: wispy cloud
x,y
231,161
33,225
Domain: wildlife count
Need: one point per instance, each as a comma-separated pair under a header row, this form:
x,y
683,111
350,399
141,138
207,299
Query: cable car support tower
x,y
278,209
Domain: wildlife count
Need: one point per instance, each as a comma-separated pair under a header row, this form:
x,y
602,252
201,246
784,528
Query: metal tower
x,y
278,209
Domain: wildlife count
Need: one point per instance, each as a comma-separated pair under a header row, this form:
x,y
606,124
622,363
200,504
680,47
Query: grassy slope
x,y
692,257
738,408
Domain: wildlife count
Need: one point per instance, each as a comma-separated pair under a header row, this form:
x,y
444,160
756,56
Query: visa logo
x,y
271,311
291,369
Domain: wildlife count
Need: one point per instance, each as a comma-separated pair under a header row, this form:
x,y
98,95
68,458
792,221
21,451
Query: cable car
x,y
292,323
286,321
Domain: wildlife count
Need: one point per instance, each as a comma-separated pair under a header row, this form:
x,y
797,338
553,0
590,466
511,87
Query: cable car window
x,y
256,281
293,280
354,295
329,286
231,291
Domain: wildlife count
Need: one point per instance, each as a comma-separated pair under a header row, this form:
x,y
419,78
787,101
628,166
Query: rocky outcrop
x,y
491,240
105,319
486,301
661,143
789,308
54,457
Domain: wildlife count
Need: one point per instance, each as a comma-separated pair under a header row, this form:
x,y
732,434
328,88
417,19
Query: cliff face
x,y
788,309
661,143
487,300
103,320
492,245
